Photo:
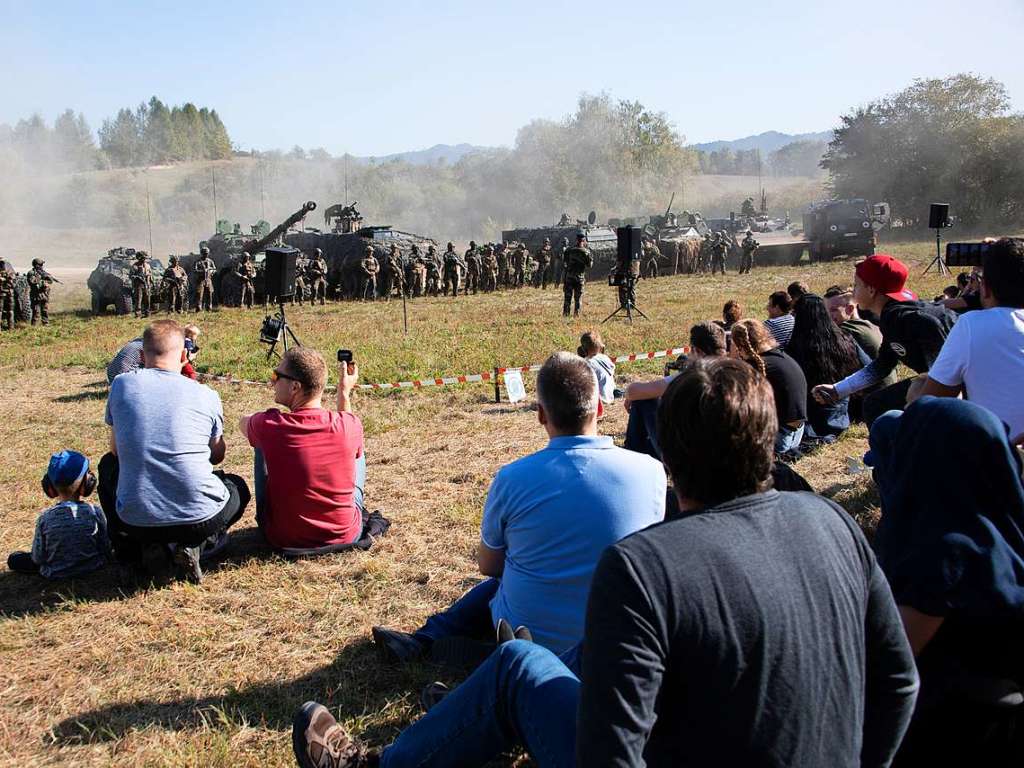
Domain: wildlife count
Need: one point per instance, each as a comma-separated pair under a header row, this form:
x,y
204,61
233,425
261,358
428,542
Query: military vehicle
x,y
601,240
228,243
110,284
843,228
22,300
345,246
677,236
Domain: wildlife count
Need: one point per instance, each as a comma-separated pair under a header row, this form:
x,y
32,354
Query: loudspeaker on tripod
x,y
279,272
938,216
629,244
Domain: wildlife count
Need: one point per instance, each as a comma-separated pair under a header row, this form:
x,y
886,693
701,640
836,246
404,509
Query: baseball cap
x,y
67,468
886,274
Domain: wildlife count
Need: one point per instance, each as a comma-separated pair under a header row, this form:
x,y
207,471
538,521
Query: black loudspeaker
x,y
279,272
938,216
629,244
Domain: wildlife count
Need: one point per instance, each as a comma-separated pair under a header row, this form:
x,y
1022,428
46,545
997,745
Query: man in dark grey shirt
x,y
755,630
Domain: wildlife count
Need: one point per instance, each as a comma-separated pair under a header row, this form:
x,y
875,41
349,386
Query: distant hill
x,y
767,142
450,153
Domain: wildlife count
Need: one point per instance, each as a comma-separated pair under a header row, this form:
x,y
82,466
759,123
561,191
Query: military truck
x,y
228,243
601,240
345,246
22,300
843,228
110,284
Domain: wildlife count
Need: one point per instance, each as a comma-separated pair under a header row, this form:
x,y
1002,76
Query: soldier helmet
x,y
37,262
581,236
415,248
369,249
245,256
450,245
547,241
394,247
140,256
204,251
173,260
318,252
749,232
430,249
472,243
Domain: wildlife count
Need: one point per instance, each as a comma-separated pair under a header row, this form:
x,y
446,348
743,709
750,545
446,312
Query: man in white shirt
x,y
983,357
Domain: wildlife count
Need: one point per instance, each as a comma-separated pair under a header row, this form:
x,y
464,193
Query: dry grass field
x,y
93,674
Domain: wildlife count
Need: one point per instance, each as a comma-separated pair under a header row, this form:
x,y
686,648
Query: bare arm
x,y
217,449
645,390
348,376
243,426
113,442
920,627
933,387
491,561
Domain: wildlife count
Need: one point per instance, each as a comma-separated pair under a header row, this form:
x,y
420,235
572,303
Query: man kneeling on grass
x,y
755,630
310,468
547,518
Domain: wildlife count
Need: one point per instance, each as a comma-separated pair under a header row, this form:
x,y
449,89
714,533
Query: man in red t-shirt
x,y
310,468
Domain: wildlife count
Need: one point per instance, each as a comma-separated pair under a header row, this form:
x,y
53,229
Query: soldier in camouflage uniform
x,y
578,260
39,292
719,249
301,263
651,255
488,269
452,270
141,275
175,285
204,270
544,256
559,261
6,297
317,272
393,275
369,267
473,257
433,272
516,265
246,272
750,246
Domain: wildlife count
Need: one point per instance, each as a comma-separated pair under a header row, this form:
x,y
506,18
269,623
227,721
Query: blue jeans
x,y
642,428
523,694
469,616
788,438
259,481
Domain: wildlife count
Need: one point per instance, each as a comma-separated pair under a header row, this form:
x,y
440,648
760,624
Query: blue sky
x,y
376,78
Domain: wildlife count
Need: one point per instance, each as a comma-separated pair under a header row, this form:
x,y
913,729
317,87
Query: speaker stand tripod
x,y
284,332
938,261
627,306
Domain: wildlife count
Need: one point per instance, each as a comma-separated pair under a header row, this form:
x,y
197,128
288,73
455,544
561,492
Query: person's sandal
x,y
320,741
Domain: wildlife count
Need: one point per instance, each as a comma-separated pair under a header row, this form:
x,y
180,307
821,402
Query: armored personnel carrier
x,y
110,284
601,240
344,246
22,300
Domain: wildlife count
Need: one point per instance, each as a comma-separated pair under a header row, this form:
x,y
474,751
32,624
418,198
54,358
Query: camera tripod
x,y
276,329
627,301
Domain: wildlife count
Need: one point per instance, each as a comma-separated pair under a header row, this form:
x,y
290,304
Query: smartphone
x,y
344,355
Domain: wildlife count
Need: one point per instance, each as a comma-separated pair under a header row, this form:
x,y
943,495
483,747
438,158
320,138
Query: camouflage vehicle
x,y
843,228
345,246
110,284
678,236
602,240
228,243
22,301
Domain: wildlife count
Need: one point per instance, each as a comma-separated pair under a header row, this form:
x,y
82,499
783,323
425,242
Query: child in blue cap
x,y
71,536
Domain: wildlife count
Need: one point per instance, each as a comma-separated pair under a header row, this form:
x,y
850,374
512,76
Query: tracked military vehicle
x,y
601,239
344,246
110,284
22,300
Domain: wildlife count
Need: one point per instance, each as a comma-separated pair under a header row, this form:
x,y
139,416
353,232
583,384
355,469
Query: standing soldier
x,y
317,271
369,267
39,292
246,271
410,270
544,256
719,249
559,265
473,256
141,275
651,255
433,272
204,270
175,286
750,246
301,263
488,269
578,260
519,256
704,254
418,280
502,259
394,275
6,296
452,270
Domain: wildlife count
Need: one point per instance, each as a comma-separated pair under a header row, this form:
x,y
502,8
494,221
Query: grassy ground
x,y
93,675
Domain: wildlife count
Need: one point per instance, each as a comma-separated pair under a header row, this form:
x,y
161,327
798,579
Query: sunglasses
x,y
275,375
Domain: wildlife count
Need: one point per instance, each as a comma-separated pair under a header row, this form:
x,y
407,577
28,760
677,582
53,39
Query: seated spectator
x,y
310,468
951,544
780,321
732,312
706,340
753,344
913,332
71,536
547,518
797,290
128,358
969,298
591,349
758,630
825,353
157,484
191,349
983,357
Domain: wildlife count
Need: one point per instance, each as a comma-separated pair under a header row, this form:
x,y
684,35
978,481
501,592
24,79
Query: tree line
x,y
151,133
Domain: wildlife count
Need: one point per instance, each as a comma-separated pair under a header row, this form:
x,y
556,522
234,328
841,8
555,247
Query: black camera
x,y
344,355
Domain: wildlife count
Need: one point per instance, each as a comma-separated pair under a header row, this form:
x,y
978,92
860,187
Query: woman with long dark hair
x,y
825,353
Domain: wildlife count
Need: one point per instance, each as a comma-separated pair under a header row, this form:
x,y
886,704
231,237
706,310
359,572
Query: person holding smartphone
x,y
310,468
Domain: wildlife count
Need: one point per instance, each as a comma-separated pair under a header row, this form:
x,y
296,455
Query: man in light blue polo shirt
x,y
547,519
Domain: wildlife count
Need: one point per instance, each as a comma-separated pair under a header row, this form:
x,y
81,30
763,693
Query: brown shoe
x,y
320,741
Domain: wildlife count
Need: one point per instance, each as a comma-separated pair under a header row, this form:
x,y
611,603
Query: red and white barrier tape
x,y
469,378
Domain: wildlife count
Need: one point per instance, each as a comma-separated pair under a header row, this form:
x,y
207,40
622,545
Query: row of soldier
x,y
39,282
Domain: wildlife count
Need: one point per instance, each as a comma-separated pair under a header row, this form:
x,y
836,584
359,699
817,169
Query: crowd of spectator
x,y
684,600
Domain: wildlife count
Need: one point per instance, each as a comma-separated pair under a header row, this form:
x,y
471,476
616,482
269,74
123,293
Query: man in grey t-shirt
x,y
157,484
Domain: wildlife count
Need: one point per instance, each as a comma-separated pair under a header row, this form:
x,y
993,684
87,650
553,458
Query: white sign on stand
x,y
514,387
